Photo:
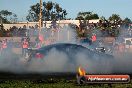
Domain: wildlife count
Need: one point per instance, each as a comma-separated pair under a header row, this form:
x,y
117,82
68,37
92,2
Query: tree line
x,y
7,17
50,11
53,11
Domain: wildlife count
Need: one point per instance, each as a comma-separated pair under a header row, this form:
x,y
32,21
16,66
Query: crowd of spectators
x,y
84,32
17,31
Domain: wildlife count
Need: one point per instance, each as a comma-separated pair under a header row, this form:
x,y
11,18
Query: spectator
x,y
93,37
4,46
25,46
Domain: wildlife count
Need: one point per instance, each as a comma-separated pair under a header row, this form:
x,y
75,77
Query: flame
x,y
81,71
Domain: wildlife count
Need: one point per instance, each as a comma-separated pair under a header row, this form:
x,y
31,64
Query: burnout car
x,y
71,55
69,49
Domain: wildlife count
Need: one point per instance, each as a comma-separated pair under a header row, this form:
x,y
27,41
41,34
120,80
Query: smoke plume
x,y
57,61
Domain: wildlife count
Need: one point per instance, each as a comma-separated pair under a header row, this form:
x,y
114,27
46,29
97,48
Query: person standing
x,y
94,38
4,46
25,45
0,47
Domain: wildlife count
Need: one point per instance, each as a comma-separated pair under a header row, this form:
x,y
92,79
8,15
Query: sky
x,y
101,7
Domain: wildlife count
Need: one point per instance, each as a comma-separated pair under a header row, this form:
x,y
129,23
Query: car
x,y
69,49
73,54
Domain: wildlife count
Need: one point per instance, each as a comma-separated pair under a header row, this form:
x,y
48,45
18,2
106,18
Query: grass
x,y
56,84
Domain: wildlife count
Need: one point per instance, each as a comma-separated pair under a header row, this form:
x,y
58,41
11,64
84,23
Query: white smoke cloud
x,y
57,61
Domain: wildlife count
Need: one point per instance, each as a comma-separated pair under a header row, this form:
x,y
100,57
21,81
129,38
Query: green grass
x,y
56,84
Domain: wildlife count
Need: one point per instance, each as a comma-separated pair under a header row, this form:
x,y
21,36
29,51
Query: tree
x,y
102,18
87,16
115,18
79,18
5,13
127,20
13,18
50,11
2,31
7,16
33,13
64,13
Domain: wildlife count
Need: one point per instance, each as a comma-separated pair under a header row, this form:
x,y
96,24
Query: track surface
x,y
32,76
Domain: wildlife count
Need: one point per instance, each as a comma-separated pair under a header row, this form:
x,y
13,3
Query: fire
x,y
81,71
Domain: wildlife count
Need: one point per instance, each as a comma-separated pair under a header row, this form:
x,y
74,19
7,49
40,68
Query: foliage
x,y
127,20
87,16
102,18
2,31
115,18
50,11
3,20
7,16
5,13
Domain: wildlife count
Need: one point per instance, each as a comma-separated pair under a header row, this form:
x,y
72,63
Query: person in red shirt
x,y
93,38
4,46
25,46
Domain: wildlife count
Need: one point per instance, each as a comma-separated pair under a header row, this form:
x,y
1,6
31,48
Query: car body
x,y
67,57
69,49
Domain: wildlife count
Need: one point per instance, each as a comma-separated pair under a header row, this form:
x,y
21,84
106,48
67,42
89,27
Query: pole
x,y
0,21
58,35
68,34
40,17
